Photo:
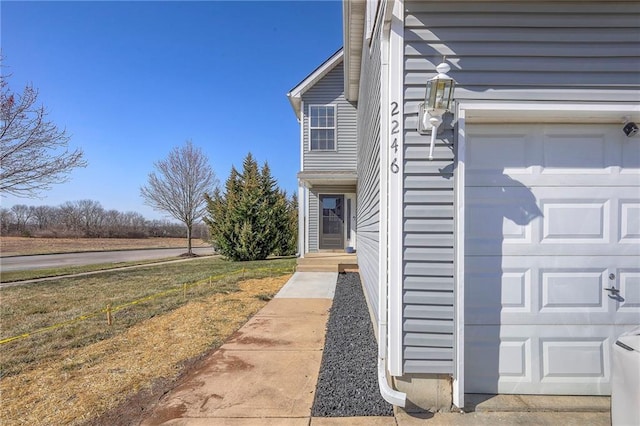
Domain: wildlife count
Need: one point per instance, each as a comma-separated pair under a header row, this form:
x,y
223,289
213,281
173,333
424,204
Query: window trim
x,y
334,128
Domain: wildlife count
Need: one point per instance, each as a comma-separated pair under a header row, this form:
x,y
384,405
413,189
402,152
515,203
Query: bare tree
x,y
70,216
112,225
92,215
22,214
135,224
6,220
179,184
33,151
44,216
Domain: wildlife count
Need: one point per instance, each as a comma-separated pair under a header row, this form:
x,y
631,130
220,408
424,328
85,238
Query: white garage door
x,y
552,221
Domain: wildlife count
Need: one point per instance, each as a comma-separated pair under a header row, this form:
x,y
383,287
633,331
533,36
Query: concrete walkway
x,y
266,374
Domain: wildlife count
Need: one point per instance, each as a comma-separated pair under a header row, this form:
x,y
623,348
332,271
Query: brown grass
x,y
85,382
14,246
70,312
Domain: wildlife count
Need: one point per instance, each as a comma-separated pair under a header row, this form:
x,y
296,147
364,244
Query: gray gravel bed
x,y
348,381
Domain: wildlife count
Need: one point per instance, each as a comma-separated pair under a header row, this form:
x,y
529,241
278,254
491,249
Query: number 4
x,y
394,145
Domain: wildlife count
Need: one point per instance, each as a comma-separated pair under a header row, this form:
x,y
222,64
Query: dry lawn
x,y
85,382
14,246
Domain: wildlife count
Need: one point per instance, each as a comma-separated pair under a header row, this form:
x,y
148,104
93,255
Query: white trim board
x,y
548,112
395,124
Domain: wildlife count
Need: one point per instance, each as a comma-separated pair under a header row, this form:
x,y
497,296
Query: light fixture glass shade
x,y
440,90
439,93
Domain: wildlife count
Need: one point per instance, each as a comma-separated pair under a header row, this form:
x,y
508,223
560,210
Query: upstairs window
x,y
322,127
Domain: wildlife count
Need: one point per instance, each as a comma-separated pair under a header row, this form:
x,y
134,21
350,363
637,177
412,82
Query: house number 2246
x,y
395,129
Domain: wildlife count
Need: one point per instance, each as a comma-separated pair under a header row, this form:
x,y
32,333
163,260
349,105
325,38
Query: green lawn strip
x,y
13,276
134,295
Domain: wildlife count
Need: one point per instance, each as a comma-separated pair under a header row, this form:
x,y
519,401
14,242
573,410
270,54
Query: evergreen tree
x,y
287,243
218,218
250,220
293,225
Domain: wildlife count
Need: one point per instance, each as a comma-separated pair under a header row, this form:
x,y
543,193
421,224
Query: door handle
x,y
612,290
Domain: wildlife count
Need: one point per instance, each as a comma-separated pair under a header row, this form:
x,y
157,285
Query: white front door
x,y
552,255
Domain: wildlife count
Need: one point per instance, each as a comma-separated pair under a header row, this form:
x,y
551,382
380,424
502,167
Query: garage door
x,y
552,256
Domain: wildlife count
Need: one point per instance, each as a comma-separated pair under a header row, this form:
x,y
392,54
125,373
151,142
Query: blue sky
x,y
131,80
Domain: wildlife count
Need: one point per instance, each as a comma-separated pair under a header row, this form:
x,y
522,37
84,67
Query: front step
x,y
317,268
327,262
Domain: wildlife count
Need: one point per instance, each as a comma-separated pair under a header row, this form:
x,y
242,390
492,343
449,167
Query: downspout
x,y
302,191
389,394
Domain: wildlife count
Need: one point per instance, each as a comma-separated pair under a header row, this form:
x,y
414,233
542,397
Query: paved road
x,y
24,263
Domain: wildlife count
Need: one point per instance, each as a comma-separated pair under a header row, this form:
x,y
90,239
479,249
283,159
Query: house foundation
x,y
426,392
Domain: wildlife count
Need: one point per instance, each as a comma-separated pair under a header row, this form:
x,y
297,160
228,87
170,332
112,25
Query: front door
x,y
331,222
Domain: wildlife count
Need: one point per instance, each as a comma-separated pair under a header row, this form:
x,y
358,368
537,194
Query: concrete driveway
x,y
25,263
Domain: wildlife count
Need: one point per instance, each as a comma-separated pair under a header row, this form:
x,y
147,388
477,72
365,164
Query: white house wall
x,y
518,51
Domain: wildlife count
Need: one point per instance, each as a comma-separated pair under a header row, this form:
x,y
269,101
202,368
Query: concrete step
x,y
317,268
327,262
344,258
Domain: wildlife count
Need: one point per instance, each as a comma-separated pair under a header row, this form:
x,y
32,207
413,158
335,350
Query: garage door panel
x,y
629,222
552,290
515,156
570,358
628,300
572,291
502,293
497,216
552,221
570,152
491,359
568,155
530,359
492,292
566,221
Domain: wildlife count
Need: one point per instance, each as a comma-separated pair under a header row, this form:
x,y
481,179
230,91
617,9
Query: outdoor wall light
x,y
437,101
630,128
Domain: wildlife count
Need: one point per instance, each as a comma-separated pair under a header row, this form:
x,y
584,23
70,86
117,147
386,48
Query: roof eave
x,y
353,33
295,94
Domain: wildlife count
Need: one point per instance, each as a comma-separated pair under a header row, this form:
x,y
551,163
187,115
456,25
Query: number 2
x,y
395,126
394,108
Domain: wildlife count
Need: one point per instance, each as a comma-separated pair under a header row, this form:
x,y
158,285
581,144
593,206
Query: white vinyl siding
x,y
322,127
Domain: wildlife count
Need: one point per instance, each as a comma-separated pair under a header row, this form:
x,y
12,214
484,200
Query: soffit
x,y
353,33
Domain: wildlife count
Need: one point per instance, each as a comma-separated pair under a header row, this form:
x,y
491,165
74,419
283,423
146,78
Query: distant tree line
x,y
87,218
